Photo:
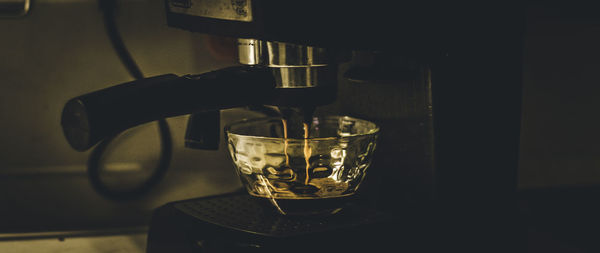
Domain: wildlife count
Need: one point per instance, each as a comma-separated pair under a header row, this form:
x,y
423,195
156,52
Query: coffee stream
x,y
296,118
296,125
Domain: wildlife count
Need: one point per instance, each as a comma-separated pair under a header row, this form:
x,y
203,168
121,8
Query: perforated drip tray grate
x,y
242,212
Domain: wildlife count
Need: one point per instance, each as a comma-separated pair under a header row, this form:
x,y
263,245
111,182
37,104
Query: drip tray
x,y
235,222
243,213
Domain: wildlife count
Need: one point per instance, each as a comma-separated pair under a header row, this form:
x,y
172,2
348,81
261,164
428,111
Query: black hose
x,y
137,192
108,12
108,8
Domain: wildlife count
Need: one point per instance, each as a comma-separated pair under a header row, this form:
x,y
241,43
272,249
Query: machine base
x,y
235,222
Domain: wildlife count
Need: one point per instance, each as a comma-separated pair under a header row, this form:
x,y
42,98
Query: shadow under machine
x,y
442,80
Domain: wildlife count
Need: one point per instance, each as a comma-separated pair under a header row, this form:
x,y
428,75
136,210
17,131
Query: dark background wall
x,y
559,142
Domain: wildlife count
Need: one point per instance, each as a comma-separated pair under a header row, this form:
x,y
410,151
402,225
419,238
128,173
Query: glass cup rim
x,y
228,131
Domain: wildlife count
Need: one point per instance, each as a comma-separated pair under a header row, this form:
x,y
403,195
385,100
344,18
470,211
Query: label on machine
x,y
236,10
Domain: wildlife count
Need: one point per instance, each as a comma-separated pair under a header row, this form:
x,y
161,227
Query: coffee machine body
x,y
443,81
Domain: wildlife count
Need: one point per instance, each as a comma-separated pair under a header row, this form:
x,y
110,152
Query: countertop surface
x,y
131,243
552,220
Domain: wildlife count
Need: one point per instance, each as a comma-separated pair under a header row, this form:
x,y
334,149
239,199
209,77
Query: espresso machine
x,y
442,80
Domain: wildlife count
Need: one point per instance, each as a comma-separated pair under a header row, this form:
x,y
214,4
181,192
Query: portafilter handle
x,y
89,118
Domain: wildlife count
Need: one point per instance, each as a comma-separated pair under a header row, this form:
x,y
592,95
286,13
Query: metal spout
x,y
293,66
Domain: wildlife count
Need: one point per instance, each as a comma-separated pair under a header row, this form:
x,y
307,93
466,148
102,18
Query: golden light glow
x,y
285,143
307,151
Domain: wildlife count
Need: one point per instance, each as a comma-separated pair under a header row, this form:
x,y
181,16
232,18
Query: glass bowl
x,y
302,176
